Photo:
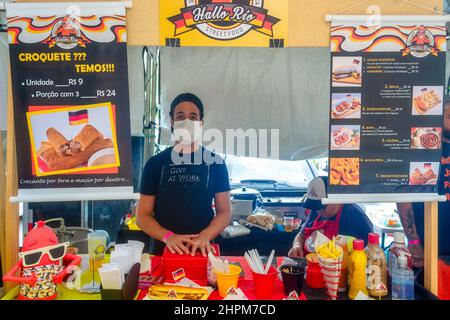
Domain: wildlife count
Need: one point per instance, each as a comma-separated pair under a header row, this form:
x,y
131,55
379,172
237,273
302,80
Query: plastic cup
x,y
97,249
288,224
227,280
292,278
265,283
314,276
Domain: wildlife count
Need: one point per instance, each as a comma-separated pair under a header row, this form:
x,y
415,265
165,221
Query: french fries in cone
x,y
330,261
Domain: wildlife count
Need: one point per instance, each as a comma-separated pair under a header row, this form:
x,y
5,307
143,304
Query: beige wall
x,y
306,27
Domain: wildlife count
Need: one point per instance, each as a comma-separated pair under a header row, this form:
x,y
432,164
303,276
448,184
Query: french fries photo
x,y
344,171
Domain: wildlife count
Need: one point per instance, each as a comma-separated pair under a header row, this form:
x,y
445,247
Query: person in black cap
x,y
179,185
331,220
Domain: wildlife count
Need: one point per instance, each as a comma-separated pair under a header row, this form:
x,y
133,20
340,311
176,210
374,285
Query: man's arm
x,y
299,240
217,225
406,214
148,224
145,219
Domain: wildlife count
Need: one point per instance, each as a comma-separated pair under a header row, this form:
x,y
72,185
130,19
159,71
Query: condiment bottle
x,y
343,279
127,219
357,270
402,280
376,267
394,252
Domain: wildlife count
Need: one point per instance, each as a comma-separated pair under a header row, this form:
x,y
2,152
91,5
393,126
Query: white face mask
x,y
187,131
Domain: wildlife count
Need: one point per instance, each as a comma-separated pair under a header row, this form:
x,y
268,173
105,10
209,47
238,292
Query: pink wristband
x,y
414,242
167,236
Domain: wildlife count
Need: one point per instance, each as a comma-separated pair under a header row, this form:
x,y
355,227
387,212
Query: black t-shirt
x,y
444,207
354,222
184,186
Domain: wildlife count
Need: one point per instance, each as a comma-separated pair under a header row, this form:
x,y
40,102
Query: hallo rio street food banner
x,y
70,95
386,108
224,23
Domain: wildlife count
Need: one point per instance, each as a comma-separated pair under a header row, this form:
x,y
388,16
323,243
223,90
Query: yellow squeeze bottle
x,y
357,270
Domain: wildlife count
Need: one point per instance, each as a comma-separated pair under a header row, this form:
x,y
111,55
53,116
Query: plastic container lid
x,y
374,238
358,244
399,237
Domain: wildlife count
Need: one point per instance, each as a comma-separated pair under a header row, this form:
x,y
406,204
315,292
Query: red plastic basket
x,y
195,267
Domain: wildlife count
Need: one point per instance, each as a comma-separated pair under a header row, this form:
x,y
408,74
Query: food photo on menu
x,y
347,72
346,106
73,139
427,100
423,173
344,171
426,138
345,137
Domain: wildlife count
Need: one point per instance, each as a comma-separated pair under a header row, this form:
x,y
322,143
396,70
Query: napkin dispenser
x,y
129,288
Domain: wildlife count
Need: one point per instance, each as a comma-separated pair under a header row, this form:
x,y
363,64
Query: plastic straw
x,y
269,262
259,262
213,261
227,266
250,262
252,256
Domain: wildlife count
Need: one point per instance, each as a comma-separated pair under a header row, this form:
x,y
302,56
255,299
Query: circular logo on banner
x,y
420,43
66,33
224,19
224,25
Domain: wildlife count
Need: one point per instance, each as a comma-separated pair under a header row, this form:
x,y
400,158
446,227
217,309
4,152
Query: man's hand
x,y
179,243
296,252
202,242
417,254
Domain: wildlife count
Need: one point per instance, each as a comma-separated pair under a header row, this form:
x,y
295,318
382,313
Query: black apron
x,y
183,203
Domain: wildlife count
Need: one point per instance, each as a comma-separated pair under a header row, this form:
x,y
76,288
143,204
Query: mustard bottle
x,y
357,270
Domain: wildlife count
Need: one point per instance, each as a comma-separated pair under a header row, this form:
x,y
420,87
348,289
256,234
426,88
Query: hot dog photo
x,y
427,100
73,139
346,106
345,137
347,72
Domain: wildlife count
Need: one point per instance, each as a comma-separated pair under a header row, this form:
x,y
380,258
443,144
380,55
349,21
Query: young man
x,y
179,184
412,215
331,220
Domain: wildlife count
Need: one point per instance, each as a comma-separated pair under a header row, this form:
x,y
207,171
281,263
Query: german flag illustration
x,y
178,274
78,117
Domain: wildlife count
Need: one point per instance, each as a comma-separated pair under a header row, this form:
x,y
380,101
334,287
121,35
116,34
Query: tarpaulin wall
x,y
243,88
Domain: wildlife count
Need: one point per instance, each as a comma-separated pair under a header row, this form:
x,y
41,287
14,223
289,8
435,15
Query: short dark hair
x,y
187,97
